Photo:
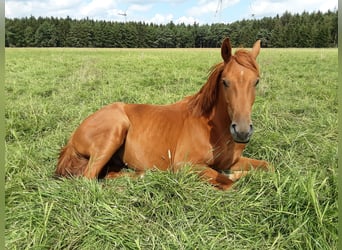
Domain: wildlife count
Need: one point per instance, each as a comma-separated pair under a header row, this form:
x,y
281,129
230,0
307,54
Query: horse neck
x,y
219,113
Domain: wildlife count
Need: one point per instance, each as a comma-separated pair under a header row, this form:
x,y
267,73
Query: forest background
x,y
306,30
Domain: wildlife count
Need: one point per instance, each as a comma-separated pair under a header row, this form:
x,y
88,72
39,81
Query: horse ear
x,y
256,49
226,50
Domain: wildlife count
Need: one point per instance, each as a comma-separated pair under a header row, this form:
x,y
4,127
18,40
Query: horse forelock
x,y
245,59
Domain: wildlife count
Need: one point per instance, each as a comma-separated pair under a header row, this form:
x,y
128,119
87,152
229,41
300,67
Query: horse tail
x,y
70,162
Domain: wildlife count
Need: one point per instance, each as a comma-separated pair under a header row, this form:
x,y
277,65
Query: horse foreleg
x,y
215,178
244,165
135,174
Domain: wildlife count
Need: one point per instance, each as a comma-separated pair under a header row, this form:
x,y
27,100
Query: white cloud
x,y
273,7
186,20
179,11
203,9
140,8
63,4
97,8
208,6
142,2
328,5
167,18
161,19
18,8
10,8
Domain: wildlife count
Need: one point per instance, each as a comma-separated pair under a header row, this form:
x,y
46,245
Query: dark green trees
x,y
315,29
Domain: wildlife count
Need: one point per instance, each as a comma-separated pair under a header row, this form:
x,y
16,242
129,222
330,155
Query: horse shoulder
x,y
194,141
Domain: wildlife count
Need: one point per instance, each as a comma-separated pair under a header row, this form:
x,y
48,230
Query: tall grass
x,y
50,91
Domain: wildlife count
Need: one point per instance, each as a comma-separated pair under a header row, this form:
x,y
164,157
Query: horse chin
x,y
237,139
240,141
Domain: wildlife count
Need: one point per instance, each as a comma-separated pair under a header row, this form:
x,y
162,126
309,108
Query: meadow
x,y
50,91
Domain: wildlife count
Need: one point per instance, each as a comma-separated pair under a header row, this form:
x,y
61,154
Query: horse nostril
x,y
233,127
251,128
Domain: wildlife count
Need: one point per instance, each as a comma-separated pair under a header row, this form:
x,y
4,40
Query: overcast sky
x,y
163,11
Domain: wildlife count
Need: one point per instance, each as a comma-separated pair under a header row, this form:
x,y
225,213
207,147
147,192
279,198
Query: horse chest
x,y
225,155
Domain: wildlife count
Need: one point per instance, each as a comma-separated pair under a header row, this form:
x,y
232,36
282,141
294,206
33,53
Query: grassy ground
x,y
50,91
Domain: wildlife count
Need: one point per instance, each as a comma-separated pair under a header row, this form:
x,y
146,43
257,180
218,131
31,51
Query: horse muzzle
x,y
240,133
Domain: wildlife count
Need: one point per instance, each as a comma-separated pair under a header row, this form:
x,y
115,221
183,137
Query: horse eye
x,y
225,83
257,82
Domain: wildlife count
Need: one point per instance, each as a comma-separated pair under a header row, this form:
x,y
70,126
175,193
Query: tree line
x,y
314,29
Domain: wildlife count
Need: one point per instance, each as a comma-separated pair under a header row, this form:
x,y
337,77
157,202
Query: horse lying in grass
x,y
209,130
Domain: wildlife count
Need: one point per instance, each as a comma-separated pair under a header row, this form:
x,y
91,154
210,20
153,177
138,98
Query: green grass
x,y
50,91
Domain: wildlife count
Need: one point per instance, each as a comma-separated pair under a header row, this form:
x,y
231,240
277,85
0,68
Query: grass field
x,y
50,91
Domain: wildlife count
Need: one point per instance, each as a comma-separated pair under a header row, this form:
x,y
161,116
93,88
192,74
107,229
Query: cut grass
x,y
50,91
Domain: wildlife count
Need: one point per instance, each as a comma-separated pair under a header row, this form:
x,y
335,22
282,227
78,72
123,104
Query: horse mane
x,y
203,102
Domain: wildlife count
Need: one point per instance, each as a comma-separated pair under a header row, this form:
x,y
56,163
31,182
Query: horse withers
x,y
208,130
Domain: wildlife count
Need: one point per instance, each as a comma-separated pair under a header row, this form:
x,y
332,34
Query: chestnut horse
x,y
208,130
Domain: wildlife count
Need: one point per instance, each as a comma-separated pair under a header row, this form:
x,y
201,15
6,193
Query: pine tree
x,y
46,35
289,30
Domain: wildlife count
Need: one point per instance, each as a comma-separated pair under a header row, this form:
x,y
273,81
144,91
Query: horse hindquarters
x,y
70,163
94,142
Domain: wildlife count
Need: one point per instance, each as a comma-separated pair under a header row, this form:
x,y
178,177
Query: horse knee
x,y
218,180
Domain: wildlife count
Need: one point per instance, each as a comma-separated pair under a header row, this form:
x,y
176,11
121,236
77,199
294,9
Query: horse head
x,y
238,82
